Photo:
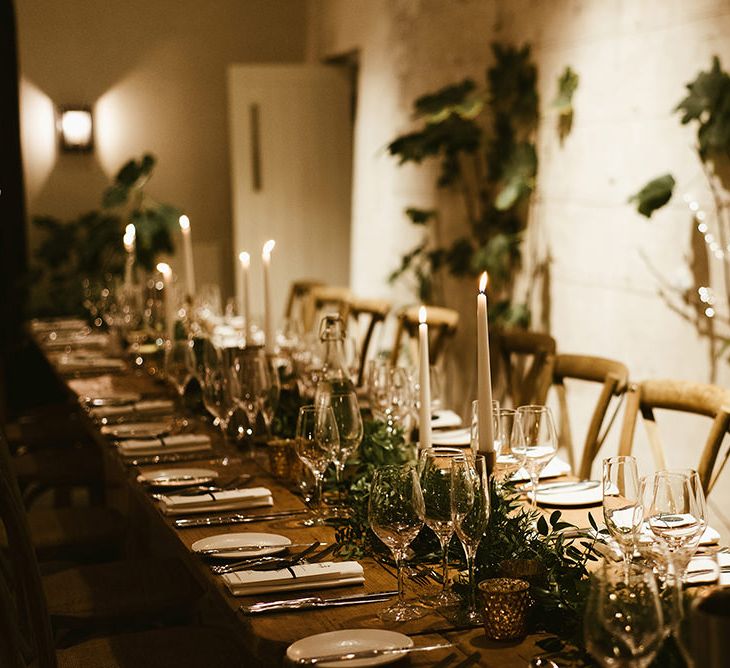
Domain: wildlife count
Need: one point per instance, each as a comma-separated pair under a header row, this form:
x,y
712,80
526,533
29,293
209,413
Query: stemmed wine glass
x,y
395,512
623,511
178,355
674,507
216,388
623,622
510,458
317,444
435,478
470,508
267,389
539,441
346,407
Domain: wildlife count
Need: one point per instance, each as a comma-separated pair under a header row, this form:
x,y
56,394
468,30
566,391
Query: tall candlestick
x,y
188,251
486,428
424,382
268,316
245,260
166,272
130,242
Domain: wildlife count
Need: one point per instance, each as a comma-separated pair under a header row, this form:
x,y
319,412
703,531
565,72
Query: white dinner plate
x,y
172,478
571,497
454,437
350,640
278,544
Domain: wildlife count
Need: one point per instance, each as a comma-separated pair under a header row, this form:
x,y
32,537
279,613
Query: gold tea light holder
x,y
507,602
280,452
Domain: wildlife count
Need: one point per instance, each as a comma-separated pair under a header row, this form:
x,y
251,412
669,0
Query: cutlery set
x,y
312,602
369,653
230,519
274,563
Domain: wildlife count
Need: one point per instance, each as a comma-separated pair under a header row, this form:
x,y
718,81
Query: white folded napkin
x,y
70,363
306,576
555,467
165,445
136,429
138,408
229,499
709,536
445,419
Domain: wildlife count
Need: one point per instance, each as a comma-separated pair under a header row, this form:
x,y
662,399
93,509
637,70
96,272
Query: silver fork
x,y
271,563
419,577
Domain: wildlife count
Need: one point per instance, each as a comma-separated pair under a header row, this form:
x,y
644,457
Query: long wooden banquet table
x,y
267,636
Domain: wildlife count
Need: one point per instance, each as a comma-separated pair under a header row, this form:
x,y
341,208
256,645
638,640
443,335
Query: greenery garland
x,y
515,532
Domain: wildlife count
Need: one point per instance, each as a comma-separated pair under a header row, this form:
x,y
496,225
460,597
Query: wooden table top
x,y
267,636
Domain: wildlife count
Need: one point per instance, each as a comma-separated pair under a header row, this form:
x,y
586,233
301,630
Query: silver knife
x,y
222,520
317,602
368,653
249,548
575,485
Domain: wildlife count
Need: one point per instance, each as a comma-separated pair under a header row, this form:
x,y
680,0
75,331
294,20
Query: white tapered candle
x,y
166,272
188,252
424,382
268,315
245,259
486,429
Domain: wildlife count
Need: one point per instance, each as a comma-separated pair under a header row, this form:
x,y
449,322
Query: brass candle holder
x,y
280,452
506,604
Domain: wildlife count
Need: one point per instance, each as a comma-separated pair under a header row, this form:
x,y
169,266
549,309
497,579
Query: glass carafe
x,y
335,377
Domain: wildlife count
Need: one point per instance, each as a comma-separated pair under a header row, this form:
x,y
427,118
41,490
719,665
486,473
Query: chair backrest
x,y
442,325
613,377
299,305
687,397
26,624
524,362
331,299
377,311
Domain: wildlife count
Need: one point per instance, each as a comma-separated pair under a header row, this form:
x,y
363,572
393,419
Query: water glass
x,y
178,355
539,441
623,511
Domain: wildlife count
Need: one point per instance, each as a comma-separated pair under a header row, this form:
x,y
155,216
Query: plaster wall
x,y
633,58
155,74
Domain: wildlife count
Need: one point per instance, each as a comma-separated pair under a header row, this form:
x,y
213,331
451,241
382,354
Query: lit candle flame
x,y
245,259
164,269
184,223
422,314
130,231
266,251
483,280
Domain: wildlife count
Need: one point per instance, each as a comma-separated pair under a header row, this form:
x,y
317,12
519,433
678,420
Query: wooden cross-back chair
x,y
299,304
613,377
687,397
330,299
376,310
525,362
442,325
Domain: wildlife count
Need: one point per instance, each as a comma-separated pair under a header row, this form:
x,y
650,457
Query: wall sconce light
x,y
76,129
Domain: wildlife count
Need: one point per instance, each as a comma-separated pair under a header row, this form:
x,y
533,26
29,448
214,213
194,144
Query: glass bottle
x,y
335,377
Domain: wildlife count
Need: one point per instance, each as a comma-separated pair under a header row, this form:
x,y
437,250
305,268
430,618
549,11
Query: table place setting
x,y
316,602
131,430
235,518
110,399
232,499
176,478
238,545
321,575
165,445
91,365
139,409
569,494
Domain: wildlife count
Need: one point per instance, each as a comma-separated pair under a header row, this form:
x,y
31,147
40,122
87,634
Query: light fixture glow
x,y
76,129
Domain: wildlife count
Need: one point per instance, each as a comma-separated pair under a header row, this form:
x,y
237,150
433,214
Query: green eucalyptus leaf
x,y
128,174
567,85
420,216
654,195
446,98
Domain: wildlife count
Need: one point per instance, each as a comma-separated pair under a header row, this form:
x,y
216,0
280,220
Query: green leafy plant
x,y
706,107
90,246
483,138
563,102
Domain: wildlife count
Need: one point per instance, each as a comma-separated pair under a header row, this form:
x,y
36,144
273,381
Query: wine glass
x,y
507,439
395,512
317,444
346,407
217,397
266,388
623,622
470,508
623,511
178,355
674,507
539,441
435,478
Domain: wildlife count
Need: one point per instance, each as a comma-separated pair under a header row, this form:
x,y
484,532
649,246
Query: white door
x,y
291,153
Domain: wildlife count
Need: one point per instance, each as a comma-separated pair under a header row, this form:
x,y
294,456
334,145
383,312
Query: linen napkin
x,y
445,419
165,445
149,407
322,575
74,363
229,499
709,536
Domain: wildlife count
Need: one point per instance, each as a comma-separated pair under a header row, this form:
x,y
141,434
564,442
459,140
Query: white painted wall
x,y
155,72
633,57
